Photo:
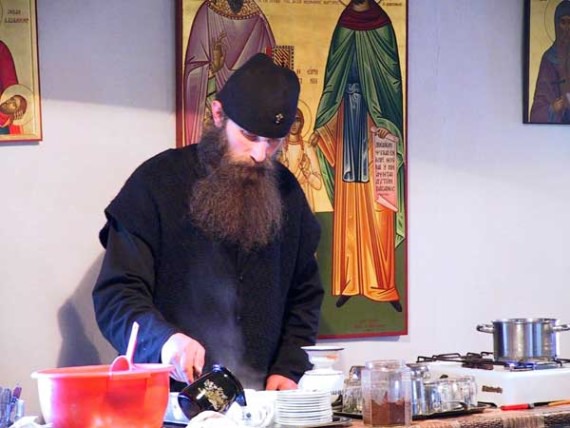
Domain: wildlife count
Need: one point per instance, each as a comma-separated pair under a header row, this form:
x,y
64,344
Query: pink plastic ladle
x,y
125,362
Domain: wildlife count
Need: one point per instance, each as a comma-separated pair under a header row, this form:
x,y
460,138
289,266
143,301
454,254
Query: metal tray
x,y
338,421
460,411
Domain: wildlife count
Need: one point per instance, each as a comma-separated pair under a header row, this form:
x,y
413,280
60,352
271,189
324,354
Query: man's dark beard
x,y
236,203
235,5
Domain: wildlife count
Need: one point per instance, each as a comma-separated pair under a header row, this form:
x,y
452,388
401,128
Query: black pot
x,y
215,390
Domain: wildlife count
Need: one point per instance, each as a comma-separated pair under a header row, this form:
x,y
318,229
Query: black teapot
x,y
215,390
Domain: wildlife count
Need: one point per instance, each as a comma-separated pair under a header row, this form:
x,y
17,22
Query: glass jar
x,y
448,393
432,397
419,374
352,393
386,394
467,387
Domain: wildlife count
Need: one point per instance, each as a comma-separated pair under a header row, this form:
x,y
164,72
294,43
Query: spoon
x,y
125,362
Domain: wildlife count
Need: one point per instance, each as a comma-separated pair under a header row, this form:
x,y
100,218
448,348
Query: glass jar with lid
x,y
386,394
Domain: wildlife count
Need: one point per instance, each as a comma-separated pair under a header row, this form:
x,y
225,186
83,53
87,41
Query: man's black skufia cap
x,y
261,97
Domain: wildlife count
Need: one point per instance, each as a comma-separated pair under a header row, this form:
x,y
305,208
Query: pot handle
x,y
561,327
486,328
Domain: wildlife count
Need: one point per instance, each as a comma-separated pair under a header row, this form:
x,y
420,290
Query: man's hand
x,y
279,383
559,104
382,132
186,355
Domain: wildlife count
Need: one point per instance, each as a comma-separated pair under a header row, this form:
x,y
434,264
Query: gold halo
x,y
25,92
549,24
307,117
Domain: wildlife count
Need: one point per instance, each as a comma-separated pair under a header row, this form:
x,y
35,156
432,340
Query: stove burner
x,y
485,361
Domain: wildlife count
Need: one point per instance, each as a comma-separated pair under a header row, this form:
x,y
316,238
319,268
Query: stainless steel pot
x,y
524,339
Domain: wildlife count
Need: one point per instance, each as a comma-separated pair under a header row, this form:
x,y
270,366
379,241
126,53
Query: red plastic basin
x,y
93,397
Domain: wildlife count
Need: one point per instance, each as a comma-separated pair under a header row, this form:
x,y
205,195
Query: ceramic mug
x,y
215,390
259,411
173,412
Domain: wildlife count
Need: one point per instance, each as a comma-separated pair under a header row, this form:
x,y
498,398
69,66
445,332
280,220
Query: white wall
x,y
488,196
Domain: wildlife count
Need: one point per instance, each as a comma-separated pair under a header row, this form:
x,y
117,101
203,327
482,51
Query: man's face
x,y
248,148
564,27
10,106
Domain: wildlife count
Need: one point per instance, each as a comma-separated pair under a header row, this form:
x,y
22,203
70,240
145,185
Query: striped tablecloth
x,y
539,417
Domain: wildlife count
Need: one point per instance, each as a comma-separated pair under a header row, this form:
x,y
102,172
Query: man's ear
x,y
217,113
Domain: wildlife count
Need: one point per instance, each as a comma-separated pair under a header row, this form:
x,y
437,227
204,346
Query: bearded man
x,y
210,247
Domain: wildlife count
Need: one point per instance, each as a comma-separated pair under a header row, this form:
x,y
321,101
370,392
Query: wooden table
x,y
539,417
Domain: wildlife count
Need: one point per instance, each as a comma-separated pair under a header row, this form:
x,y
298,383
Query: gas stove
x,y
506,383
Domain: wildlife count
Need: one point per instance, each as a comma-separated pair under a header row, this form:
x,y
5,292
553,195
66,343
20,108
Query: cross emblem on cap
x,y
278,118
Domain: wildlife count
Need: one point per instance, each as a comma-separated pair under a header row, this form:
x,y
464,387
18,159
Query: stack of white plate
x,y
300,408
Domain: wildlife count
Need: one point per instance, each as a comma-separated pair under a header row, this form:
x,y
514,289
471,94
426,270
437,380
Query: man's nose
x,y
259,152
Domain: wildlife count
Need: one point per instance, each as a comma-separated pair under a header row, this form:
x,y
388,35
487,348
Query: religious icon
x,y
347,145
19,81
547,32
